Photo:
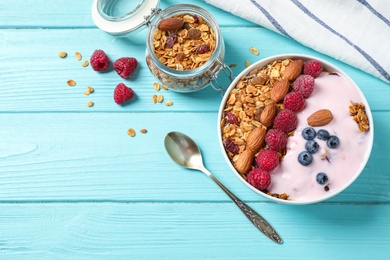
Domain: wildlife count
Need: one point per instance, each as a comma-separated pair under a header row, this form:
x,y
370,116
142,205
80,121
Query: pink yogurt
x,y
299,182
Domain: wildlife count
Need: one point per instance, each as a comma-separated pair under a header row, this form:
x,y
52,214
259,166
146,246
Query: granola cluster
x,y
184,49
358,113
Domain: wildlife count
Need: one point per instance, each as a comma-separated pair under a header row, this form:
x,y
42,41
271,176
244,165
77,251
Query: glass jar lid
x,y
119,17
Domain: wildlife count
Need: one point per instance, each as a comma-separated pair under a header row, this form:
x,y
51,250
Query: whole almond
x,y
320,118
244,161
170,24
268,114
256,139
293,70
279,90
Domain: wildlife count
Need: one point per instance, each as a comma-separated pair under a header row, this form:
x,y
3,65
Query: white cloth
x,y
356,32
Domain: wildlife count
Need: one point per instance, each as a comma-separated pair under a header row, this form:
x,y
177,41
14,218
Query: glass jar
x,y
115,18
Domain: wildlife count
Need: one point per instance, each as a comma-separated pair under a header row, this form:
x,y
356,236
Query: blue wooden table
x,y
75,185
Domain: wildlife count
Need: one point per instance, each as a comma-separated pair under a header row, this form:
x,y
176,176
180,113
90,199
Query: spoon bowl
x,y
185,152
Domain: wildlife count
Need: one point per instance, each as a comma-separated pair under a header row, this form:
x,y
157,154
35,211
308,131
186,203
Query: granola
x,y
358,111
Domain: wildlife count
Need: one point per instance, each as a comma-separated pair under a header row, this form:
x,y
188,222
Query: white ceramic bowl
x,y
328,67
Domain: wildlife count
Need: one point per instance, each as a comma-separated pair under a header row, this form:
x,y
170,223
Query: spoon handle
x,y
251,214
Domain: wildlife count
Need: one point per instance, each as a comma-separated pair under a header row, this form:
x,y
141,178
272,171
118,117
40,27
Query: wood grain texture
x,y
74,185
191,231
35,79
89,157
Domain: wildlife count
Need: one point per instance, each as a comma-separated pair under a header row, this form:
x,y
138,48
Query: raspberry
x,y
125,66
304,85
259,179
231,118
276,140
99,61
286,120
122,94
294,101
312,68
267,160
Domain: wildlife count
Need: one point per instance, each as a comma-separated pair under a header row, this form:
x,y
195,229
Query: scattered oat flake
x,y
90,104
254,51
131,132
85,63
154,98
247,63
232,65
143,130
62,54
160,98
164,87
156,86
71,83
89,91
169,103
78,55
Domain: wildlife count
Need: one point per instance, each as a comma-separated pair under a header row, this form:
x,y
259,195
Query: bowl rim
x,y
327,65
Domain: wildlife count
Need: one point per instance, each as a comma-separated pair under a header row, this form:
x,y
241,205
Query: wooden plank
x,y
77,14
90,157
191,231
35,79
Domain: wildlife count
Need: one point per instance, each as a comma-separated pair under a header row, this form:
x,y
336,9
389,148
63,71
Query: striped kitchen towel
x,y
356,32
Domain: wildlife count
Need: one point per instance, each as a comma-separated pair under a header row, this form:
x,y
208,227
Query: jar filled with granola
x,y
184,46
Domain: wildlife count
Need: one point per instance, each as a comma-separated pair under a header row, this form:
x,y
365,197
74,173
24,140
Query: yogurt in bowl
x,y
295,129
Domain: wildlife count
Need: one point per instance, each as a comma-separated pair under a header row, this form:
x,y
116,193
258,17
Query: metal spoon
x,y
184,151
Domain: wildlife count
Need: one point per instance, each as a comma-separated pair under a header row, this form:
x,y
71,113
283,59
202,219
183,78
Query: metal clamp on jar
x,y
177,56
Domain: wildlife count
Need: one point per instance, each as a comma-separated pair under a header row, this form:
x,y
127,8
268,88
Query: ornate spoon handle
x,y
251,214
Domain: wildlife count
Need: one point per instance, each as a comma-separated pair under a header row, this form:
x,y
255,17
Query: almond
x,y
279,90
268,114
170,24
244,161
256,139
293,70
320,118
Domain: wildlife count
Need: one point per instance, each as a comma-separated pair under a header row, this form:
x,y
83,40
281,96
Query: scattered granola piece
x,y
62,54
78,55
156,86
90,104
89,91
254,51
143,130
71,83
131,132
232,65
247,63
163,87
169,103
160,98
85,63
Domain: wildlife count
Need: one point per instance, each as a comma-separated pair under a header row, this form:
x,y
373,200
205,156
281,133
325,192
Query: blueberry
x,y
308,133
322,178
305,158
333,142
322,134
312,146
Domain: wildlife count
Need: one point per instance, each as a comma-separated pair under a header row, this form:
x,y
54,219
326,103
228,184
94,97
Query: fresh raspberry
x,y
259,179
286,120
312,68
122,94
99,61
125,66
276,140
267,160
304,85
231,118
294,101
